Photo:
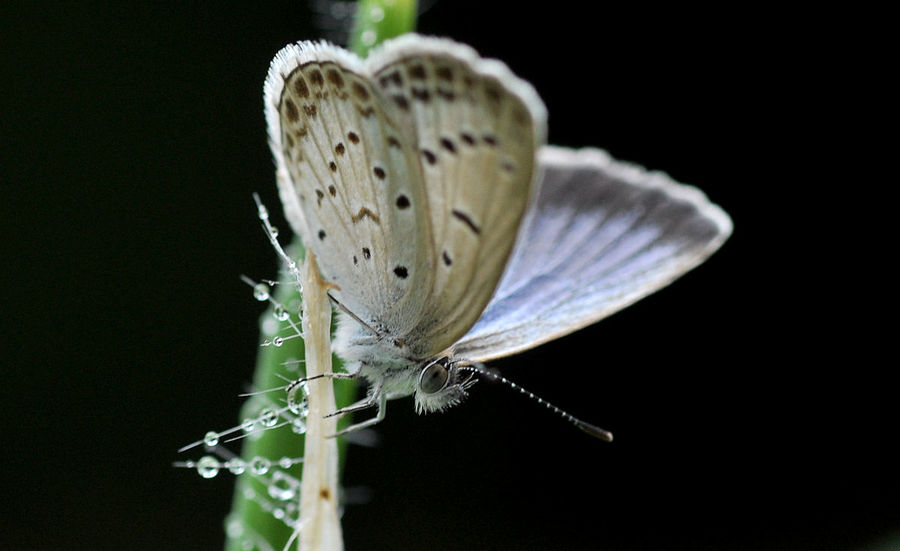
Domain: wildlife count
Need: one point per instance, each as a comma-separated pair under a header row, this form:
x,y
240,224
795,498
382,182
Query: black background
x,y
133,139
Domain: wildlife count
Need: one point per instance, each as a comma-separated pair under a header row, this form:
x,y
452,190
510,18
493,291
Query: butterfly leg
x,y
378,400
365,403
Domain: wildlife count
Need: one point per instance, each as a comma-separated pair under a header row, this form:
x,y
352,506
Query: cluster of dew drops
x,y
291,410
284,406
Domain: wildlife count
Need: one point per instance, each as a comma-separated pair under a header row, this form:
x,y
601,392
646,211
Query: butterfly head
x,y
440,385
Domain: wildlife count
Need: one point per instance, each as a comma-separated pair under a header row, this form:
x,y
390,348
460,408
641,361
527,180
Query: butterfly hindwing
x,y
601,235
476,128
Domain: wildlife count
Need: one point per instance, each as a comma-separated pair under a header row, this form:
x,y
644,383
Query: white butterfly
x,y
419,179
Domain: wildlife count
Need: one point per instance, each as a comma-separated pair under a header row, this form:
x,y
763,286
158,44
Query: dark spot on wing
x,y
333,166
315,76
321,234
332,191
492,92
467,220
391,78
401,272
301,88
421,94
353,137
417,72
429,156
490,140
467,138
402,202
291,110
401,101
339,148
447,260
448,144
365,212
360,91
310,111
334,77
366,253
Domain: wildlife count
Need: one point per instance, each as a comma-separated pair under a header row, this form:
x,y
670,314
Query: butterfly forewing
x,y
601,235
354,180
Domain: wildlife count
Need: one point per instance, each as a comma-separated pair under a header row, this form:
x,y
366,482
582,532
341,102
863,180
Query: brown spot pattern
x,y
291,110
363,213
467,220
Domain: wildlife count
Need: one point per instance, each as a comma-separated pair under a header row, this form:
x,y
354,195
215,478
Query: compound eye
x,y
433,378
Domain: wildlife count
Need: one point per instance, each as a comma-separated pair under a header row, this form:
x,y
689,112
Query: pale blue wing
x,y
600,235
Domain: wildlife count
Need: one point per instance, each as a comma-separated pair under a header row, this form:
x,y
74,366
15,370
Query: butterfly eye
x,y
433,378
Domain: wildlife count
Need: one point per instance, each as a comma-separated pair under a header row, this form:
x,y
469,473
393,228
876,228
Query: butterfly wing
x,y
434,185
347,177
602,234
477,128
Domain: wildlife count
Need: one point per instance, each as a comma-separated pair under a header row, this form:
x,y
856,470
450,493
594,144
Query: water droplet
x,y
285,462
281,314
273,231
234,528
298,425
211,439
299,408
249,425
278,513
296,404
261,292
368,37
268,417
283,486
208,466
270,326
236,466
277,341
260,465
377,13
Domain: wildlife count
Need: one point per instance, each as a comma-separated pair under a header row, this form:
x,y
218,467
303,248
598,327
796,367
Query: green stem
x,y
379,20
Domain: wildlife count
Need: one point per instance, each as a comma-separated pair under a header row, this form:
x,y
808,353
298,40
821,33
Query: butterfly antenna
x,y
593,430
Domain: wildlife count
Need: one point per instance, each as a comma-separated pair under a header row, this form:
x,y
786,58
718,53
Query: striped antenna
x,y
593,430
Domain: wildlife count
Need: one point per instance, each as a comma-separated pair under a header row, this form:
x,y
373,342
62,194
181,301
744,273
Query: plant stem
x,y
320,527
378,20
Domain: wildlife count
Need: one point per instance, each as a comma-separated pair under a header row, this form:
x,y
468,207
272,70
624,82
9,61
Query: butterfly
x,y
451,234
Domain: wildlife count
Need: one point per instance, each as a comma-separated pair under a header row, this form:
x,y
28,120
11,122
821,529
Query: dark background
x,y
131,143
